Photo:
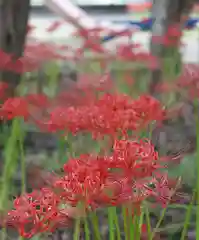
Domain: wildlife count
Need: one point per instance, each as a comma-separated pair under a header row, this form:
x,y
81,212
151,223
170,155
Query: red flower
x,y
137,159
100,181
39,100
84,180
36,212
15,107
54,26
148,110
68,119
163,191
110,115
125,52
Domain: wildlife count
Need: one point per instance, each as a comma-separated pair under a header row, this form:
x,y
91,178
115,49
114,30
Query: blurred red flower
x,y
14,107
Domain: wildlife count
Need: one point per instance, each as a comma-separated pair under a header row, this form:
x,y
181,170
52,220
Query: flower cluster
x,y
110,114
125,176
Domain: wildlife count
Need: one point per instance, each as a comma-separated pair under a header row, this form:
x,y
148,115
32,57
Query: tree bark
x,y
159,16
172,12
13,27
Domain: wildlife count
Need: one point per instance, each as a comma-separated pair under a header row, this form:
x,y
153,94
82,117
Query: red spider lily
x,y
120,190
67,119
36,212
15,107
84,180
137,159
171,38
95,45
95,182
41,52
164,189
133,52
40,100
91,40
81,33
110,115
9,63
125,52
54,26
174,31
188,81
148,109
123,177
25,64
116,115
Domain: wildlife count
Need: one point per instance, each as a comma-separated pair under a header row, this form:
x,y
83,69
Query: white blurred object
x,y
36,3
71,13
78,17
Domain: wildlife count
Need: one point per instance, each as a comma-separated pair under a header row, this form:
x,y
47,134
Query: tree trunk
x,y
13,28
174,12
159,16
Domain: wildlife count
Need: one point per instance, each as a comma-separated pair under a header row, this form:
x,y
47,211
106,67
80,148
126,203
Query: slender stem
x,y
86,229
10,154
124,213
132,222
76,234
94,220
187,218
111,216
158,223
10,164
117,225
23,163
148,222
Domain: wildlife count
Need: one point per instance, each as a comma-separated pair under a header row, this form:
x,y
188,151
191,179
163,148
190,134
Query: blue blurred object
x,y
145,25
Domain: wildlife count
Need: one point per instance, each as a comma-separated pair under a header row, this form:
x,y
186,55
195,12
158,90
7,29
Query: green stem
x,y
111,217
10,155
187,218
76,234
132,223
86,229
158,223
23,163
10,164
148,222
117,225
125,220
95,223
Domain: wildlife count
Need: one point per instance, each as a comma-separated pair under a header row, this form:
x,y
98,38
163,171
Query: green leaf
x,y
186,170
